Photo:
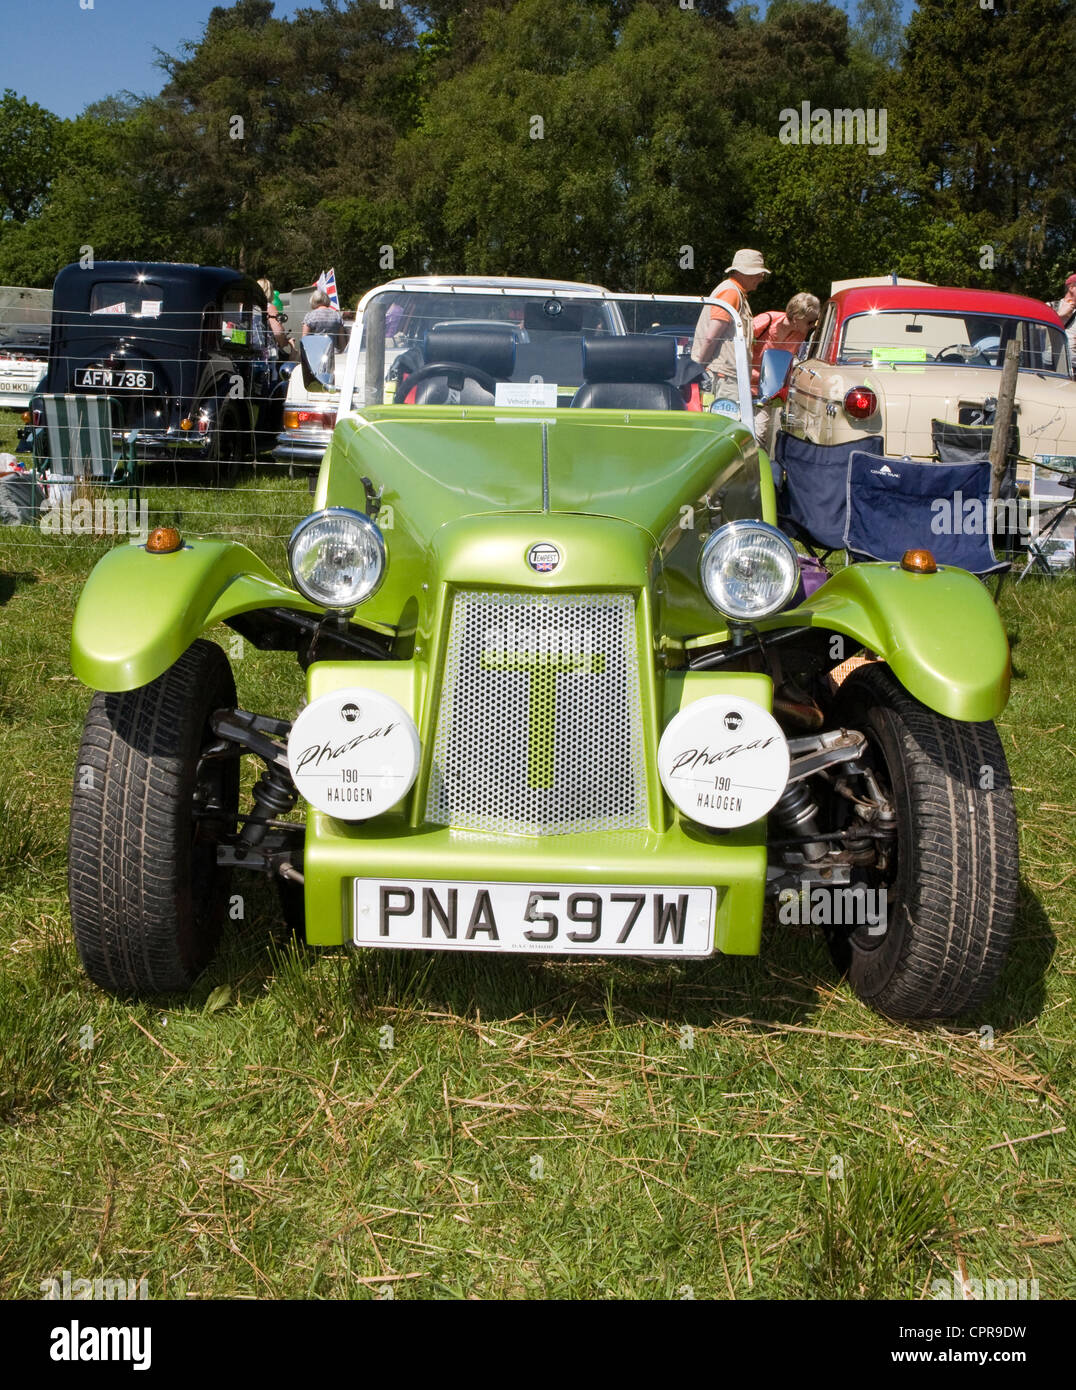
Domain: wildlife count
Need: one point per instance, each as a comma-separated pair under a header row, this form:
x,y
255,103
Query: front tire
x,y
148,898
952,892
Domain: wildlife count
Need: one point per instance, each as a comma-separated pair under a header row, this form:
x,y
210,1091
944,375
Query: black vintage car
x,y
184,349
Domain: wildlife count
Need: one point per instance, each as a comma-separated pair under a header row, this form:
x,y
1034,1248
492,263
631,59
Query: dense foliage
x,y
635,143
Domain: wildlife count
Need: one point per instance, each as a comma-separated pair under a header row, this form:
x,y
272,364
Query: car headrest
x,y
491,349
633,357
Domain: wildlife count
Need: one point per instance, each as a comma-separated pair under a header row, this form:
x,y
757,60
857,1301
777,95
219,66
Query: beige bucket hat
x,y
748,263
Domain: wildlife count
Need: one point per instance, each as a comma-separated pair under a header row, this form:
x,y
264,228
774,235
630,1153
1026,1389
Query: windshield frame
x,y
569,292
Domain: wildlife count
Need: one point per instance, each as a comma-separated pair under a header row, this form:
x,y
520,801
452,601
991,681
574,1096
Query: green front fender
x,y
138,613
939,633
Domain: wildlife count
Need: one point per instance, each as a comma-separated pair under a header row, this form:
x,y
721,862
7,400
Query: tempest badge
x,y
543,557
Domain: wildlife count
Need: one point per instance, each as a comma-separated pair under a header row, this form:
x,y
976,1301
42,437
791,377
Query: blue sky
x,y
67,56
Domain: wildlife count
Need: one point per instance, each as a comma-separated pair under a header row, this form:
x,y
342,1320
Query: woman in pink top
x,y
787,330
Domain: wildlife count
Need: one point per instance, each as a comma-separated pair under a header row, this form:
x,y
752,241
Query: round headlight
x,y
337,557
748,570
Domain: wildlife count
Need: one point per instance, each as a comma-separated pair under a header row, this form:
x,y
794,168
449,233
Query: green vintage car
x,y
565,692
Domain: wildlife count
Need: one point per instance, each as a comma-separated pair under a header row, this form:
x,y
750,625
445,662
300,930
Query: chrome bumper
x,y
302,446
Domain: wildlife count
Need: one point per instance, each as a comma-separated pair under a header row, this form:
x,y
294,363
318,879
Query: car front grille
x,y
539,729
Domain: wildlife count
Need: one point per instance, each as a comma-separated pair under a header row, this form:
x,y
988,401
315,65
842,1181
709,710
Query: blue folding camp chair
x,y
811,497
956,443
894,505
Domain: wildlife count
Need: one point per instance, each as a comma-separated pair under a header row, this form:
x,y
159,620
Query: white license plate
x,y
550,918
114,379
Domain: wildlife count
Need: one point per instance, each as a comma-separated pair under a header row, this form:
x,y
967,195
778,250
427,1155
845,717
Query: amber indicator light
x,y
163,540
919,562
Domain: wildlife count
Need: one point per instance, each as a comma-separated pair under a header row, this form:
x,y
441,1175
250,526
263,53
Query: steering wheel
x,y
962,355
476,374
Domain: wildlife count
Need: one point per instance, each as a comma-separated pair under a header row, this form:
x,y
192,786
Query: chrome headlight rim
x,y
366,524
746,525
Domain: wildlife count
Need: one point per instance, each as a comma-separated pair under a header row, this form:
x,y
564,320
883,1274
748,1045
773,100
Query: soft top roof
x,y
936,299
188,285
488,282
839,285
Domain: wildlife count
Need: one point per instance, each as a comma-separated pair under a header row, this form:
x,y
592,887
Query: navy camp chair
x,y
894,505
968,443
971,444
811,497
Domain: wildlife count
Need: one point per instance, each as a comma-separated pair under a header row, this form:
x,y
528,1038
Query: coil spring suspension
x,y
797,811
274,795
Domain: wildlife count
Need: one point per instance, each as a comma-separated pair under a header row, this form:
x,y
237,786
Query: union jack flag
x,y
327,282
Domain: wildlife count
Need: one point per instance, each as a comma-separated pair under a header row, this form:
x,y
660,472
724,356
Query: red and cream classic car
x,y
890,359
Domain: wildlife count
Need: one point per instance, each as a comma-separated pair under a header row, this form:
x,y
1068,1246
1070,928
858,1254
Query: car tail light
x,y
203,424
305,419
39,417
860,402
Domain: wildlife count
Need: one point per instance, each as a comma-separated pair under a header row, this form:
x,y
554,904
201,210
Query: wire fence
x,y
77,524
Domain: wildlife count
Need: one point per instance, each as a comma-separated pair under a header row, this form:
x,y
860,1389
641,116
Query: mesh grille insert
x,y
539,730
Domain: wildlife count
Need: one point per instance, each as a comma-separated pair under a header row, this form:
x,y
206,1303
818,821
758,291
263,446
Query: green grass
x,y
539,1127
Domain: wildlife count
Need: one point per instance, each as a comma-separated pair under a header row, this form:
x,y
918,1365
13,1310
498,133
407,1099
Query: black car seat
x,y
462,365
633,372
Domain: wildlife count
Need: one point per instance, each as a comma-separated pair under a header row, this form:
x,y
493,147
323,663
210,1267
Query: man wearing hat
x,y
713,344
1065,309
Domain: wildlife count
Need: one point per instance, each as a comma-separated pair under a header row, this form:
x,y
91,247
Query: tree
x,y
102,194
29,137
994,129
800,52
572,148
263,119
880,30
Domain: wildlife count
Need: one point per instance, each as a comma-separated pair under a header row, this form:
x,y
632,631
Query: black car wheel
x,y
148,898
951,892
